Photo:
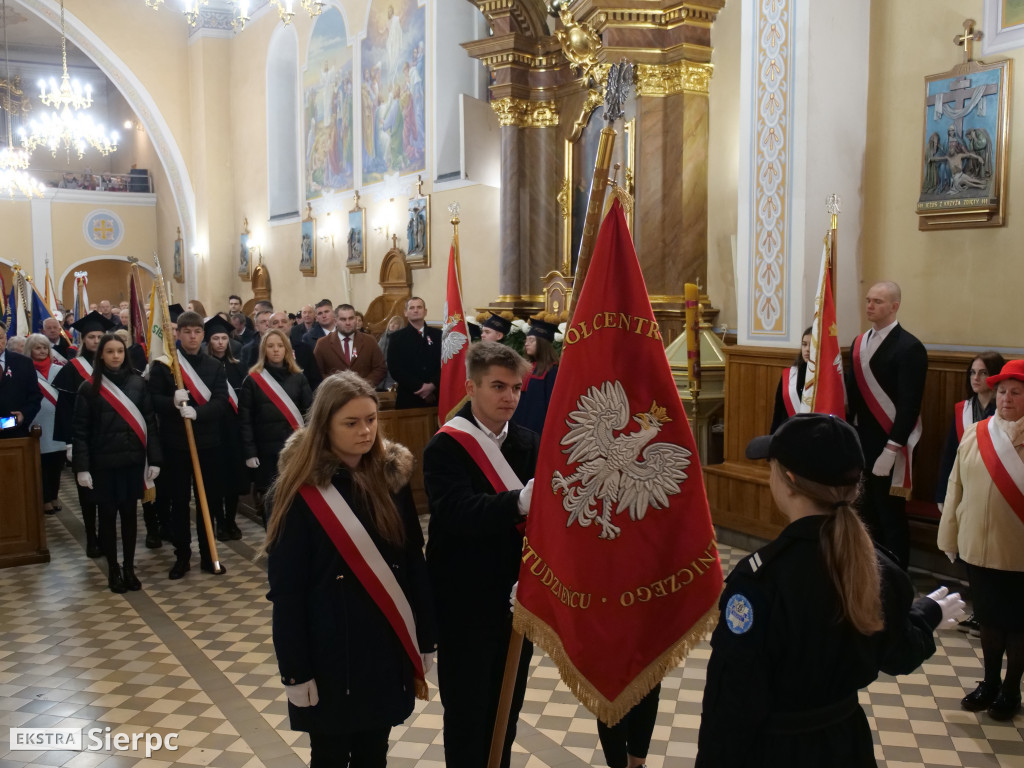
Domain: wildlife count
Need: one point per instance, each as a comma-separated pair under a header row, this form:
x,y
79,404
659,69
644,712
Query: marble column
x,y
510,219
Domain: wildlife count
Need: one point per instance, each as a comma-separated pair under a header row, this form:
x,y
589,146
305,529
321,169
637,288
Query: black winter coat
x,y
325,625
474,547
236,480
414,360
208,422
102,438
264,428
66,382
786,666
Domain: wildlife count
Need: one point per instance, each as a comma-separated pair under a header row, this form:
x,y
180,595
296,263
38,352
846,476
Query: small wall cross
x,y
967,39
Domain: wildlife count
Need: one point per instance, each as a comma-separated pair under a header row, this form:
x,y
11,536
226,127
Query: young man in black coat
x,y
20,397
899,363
172,407
414,358
473,550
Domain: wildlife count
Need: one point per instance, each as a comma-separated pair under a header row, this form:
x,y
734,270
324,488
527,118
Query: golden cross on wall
x,y
102,230
967,39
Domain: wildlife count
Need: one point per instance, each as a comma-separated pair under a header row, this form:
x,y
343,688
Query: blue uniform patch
x,y
739,614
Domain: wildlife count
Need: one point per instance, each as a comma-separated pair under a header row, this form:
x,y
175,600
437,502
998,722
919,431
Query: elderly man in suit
x,y
345,349
20,397
885,386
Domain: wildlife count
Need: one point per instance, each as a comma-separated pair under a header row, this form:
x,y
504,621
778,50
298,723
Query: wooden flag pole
x,y
197,471
832,204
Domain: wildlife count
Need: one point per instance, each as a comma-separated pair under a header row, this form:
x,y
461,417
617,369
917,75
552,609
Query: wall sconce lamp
x,y
129,124
255,250
328,231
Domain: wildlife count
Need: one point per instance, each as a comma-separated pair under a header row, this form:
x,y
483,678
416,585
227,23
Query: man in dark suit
x,y
303,324
348,350
324,323
60,345
20,397
414,358
473,554
251,351
885,386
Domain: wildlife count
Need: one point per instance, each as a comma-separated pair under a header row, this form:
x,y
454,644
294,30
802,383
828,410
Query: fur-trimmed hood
x,y
398,464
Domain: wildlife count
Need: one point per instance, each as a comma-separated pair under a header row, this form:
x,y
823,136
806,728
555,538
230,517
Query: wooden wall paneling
x,y
413,428
22,532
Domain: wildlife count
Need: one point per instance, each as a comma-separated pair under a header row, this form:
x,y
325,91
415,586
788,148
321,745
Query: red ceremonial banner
x,y
454,343
620,573
137,313
829,392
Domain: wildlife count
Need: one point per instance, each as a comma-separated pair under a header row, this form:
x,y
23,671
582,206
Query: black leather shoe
x,y
114,580
1005,706
131,581
92,549
221,532
179,569
234,532
981,697
208,568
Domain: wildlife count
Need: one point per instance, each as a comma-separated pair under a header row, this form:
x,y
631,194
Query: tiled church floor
x,y
194,657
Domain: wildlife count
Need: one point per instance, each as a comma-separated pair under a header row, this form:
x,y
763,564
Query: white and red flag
x,y
824,391
620,573
454,344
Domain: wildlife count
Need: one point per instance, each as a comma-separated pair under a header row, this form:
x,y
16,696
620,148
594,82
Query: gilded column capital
x,y
670,79
522,113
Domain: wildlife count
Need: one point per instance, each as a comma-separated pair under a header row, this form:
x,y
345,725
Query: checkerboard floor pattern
x,y
195,657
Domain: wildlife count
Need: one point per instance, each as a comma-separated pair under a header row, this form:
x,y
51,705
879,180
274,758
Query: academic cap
x,y
216,324
94,321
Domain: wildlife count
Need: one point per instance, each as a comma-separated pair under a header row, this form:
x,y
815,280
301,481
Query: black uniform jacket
x,y
786,666
66,382
102,437
264,427
236,477
900,364
209,417
327,628
414,360
474,547
19,392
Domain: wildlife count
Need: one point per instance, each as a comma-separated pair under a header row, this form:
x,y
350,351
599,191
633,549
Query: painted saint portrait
x,y
392,90
328,108
356,260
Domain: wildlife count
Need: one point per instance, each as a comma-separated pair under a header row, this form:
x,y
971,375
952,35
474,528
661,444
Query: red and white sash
x,y
278,397
49,393
790,396
232,396
484,453
357,549
128,411
195,385
1003,463
963,417
83,366
884,410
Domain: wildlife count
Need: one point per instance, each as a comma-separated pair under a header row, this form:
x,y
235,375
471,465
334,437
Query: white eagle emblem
x,y
613,475
452,341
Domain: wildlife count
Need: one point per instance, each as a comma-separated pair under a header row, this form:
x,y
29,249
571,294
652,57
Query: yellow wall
x,y
958,285
16,224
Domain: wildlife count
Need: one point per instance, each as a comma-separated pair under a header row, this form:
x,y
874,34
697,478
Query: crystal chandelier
x,y
14,177
285,8
67,125
191,9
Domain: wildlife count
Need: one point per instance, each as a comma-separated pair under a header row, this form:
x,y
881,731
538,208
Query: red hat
x,y
1014,369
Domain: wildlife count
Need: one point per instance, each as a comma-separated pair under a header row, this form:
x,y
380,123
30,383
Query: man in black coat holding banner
x,y
474,549
203,402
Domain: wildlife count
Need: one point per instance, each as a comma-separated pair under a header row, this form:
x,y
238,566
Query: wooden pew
x,y
22,531
413,428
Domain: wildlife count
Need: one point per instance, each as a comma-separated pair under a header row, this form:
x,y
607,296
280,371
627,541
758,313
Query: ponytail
x,y
847,548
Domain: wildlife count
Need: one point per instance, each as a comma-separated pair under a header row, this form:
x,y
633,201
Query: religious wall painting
x,y
356,260
392,90
307,246
244,265
417,232
327,108
179,259
964,158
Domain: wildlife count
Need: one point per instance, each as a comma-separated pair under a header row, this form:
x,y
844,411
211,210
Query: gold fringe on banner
x,y
609,711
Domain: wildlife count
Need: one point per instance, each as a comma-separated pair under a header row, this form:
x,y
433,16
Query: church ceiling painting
x,y
327,95
392,90
770,212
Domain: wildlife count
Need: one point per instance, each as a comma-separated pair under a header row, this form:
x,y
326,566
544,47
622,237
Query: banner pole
x,y
172,353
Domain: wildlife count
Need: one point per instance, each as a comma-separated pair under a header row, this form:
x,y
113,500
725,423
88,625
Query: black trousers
x,y
87,502
52,465
177,471
632,734
108,513
469,673
362,749
886,517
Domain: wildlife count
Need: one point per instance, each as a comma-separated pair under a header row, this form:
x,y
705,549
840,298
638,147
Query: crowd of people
x,y
288,405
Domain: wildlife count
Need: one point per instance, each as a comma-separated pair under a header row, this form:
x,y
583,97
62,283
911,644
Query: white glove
x,y
67,452
252,463
303,694
428,661
884,462
152,473
525,496
180,397
951,556
940,505
84,479
951,604
187,412
512,597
